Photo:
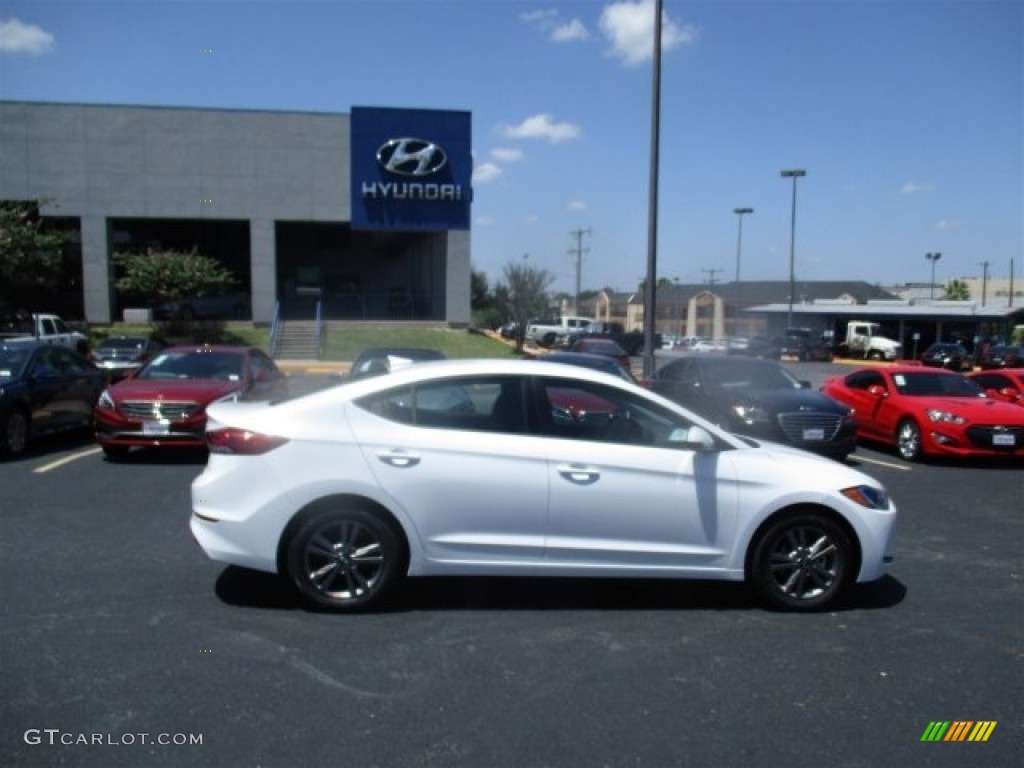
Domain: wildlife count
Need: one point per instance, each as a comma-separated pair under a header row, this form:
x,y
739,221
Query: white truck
x,y
49,329
864,339
544,333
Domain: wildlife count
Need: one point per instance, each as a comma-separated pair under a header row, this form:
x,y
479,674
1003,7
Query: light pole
x,y
739,236
932,257
794,174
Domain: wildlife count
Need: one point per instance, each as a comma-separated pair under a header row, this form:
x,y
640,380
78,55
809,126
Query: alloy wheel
x,y
802,562
346,559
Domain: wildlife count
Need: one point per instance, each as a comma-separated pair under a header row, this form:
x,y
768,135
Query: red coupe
x,y
164,403
928,412
1006,384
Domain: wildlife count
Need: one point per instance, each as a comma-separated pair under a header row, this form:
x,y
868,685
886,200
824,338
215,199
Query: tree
x,y
170,275
957,290
31,256
525,293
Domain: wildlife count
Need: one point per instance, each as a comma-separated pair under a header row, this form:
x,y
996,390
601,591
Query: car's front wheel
x,y
346,559
908,440
802,561
14,430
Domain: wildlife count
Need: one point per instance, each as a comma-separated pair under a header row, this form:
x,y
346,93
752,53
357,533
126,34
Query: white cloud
x,y
539,17
915,188
542,127
577,205
948,224
17,37
507,154
486,172
573,30
549,22
629,27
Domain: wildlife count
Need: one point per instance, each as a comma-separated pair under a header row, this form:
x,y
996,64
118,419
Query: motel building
x,y
358,217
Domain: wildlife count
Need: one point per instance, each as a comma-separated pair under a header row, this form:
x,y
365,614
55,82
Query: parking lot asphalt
x,y
118,633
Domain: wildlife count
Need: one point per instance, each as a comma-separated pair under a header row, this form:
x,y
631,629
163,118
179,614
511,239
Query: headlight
x,y
106,401
945,416
867,496
750,413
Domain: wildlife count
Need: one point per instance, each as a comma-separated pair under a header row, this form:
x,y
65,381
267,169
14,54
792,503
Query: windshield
x,y
12,361
935,384
195,364
752,375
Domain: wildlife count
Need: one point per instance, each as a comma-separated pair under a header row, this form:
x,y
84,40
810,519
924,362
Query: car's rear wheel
x,y
908,440
14,430
346,559
802,561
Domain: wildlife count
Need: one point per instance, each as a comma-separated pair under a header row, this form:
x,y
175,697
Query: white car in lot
x,y
507,468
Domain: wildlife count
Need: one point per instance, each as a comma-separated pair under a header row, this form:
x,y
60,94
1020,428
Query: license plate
x,y
814,434
1004,441
155,428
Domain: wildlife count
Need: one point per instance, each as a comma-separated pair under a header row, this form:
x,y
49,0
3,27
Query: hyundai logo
x,y
411,157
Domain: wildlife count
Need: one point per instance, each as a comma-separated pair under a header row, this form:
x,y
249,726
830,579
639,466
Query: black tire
x,y
346,559
548,340
908,440
115,452
801,562
14,432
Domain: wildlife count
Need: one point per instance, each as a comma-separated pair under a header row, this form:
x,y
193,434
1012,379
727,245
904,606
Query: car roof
x,y
238,349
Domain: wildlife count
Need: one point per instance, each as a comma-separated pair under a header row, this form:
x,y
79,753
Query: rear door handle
x,y
398,458
578,474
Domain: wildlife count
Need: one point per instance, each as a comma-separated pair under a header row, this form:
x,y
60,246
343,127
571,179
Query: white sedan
x,y
507,468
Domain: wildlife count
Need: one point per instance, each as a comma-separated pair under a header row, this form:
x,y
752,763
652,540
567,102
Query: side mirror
x,y
695,438
878,390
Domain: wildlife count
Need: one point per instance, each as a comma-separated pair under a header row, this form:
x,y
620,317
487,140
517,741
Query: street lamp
x,y
794,174
739,236
932,257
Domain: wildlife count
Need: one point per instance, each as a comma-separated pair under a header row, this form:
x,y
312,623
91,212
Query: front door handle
x,y
398,458
578,474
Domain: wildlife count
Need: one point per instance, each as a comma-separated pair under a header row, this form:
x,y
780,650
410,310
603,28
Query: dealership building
x,y
360,217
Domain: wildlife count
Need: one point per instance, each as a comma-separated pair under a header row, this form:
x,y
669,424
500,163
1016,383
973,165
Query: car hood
x,y
199,390
975,408
785,400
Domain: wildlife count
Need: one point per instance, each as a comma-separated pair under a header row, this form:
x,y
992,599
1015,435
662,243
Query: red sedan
x,y
1006,384
164,403
928,412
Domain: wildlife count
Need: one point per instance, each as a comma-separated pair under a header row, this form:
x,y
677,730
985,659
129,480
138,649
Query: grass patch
x,y
346,344
340,344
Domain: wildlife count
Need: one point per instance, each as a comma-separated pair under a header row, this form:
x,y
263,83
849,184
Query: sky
x,y
907,116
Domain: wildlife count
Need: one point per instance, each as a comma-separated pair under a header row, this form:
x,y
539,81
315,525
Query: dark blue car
x,y
44,389
759,398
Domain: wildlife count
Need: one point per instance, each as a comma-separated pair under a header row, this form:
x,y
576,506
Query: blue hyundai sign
x,y
411,169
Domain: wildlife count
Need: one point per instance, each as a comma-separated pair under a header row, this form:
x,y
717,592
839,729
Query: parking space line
x,y
888,464
67,460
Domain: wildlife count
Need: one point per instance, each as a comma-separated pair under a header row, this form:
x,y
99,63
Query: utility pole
x,y
711,273
579,250
984,281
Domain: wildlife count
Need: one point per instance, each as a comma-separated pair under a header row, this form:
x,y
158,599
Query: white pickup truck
x,y
48,329
543,333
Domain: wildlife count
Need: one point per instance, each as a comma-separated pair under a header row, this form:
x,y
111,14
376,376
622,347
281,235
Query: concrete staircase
x,y
296,340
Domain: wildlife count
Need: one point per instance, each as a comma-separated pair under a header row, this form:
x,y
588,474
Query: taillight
x,y
242,442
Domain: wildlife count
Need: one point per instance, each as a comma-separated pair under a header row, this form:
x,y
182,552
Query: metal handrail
x,y
275,328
